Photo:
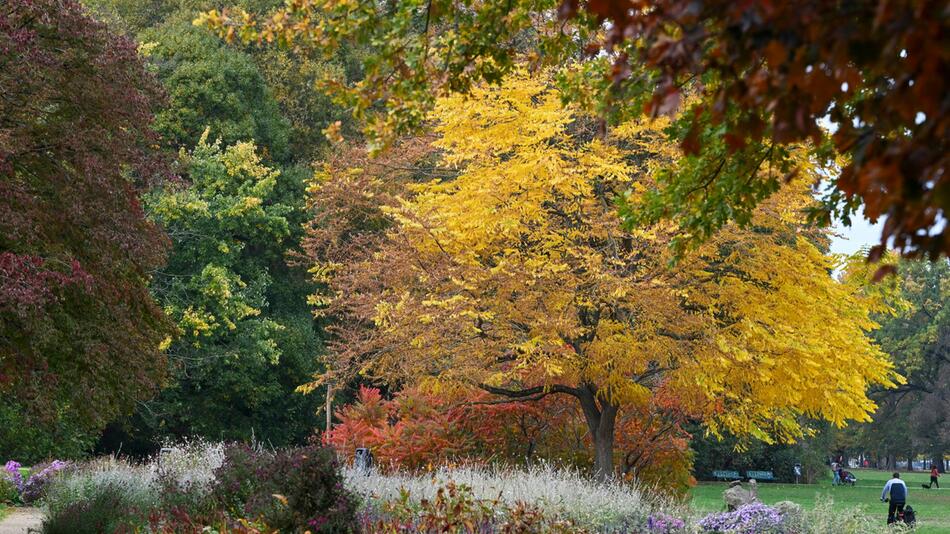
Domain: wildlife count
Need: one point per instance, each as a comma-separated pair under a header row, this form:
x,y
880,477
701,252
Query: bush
x,y
290,490
104,508
243,474
35,485
663,523
199,485
310,481
455,509
11,473
8,491
100,496
754,518
559,493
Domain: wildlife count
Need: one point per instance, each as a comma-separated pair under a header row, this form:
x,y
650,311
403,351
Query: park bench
x,y
760,475
726,475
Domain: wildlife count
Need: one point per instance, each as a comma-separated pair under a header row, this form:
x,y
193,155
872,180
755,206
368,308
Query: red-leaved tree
x,y
79,333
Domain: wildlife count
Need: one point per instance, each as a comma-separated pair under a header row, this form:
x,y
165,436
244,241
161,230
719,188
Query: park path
x,y
22,521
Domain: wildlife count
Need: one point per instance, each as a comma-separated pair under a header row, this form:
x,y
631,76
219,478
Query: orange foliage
x,y
417,429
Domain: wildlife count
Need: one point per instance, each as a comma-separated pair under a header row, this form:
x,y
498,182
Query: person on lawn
x,y
934,475
898,497
836,473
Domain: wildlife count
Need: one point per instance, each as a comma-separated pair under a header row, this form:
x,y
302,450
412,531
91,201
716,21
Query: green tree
x,y
290,77
212,86
918,339
245,336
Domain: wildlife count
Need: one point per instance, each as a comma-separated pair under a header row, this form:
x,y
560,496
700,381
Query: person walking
x,y
934,475
895,492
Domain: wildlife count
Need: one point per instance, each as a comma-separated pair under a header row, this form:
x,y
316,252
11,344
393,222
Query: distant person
x,y
895,492
934,475
836,472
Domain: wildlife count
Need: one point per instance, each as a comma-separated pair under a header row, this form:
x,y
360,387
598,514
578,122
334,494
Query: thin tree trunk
x,y
329,406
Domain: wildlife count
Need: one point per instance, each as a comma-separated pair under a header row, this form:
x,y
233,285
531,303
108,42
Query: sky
x,y
861,233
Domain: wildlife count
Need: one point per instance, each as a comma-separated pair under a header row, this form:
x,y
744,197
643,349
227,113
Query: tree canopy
x,y
212,86
507,269
79,337
244,339
915,416
764,76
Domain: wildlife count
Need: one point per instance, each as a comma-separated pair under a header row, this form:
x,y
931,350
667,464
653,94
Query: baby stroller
x,y
848,477
909,517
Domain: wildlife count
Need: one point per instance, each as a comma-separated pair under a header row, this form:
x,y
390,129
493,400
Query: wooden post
x,y
329,406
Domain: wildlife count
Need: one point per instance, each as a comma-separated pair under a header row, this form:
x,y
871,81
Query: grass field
x,y
932,506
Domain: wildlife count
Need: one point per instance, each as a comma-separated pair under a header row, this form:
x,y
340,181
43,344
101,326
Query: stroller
x,y
909,516
848,477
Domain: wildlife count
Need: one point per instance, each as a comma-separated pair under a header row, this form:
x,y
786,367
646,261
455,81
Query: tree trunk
x,y
604,457
937,459
910,461
601,421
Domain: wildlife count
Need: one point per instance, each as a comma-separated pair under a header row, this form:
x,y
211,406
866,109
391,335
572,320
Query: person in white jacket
x,y
897,490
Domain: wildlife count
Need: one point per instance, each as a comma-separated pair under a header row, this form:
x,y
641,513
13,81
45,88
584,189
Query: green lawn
x,y
932,506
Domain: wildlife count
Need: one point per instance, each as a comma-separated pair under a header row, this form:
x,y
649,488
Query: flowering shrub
x,y
190,463
419,427
557,493
662,523
754,518
35,485
11,472
99,496
104,507
455,509
242,474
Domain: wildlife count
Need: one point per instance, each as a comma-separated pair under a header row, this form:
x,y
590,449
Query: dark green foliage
x,y
712,454
236,382
30,440
212,86
246,339
8,491
915,417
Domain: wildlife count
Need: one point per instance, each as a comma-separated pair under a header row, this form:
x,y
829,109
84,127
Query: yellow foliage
x,y
530,280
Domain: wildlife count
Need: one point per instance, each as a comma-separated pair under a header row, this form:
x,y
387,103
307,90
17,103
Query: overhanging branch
x,y
529,393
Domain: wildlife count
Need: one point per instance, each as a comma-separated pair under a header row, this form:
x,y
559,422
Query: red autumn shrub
x,y
417,428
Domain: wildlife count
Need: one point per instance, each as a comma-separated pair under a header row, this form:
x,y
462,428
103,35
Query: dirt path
x,y
22,521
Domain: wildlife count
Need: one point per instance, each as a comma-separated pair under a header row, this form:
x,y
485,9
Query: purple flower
x,y
752,518
32,489
318,522
13,474
661,523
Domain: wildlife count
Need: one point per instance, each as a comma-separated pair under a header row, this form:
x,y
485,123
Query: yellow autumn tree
x,y
506,268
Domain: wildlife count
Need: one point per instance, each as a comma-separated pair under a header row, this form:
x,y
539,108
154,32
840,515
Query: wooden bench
x,y
726,475
760,475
